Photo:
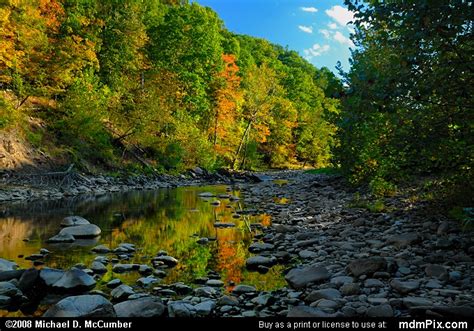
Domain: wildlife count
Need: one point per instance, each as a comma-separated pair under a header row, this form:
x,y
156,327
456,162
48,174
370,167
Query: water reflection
x,y
171,220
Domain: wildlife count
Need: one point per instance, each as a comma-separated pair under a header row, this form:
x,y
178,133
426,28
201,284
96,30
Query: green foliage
x,y
7,113
325,171
407,110
380,187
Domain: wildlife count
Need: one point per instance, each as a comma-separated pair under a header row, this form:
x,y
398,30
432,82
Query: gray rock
x,y
437,271
9,290
167,260
306,311
28,279
305,254
243,289
142,307
205,308
122,292
384,310
101,249
98,267
50,276
61,238
254,262
145,269
403,240
433,284
206,195
455,311
202,241
74,280
121,268
114,283
82,306
301,277
350,289
74,221
341,280
325,304
404,287
147,281
327,293
215,283
181,309
4,301
205,291
260,247
411,302
11,274
6,265
224,225
228,300
81,231
367,266
372,282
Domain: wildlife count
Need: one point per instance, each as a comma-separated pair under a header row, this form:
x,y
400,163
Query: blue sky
x,y
315,28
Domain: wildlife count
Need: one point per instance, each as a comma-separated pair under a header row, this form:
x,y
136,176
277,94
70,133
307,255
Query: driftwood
x,y
57,178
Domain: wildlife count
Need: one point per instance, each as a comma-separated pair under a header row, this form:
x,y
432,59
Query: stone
x,y
325,304
433,284
28,279
6,265
74,280
61,238
142,307
205,291
215,283
182,289
181,309
260,247
50,276
306,254
127,247
145,269
243,289
81,231
404,287
367,266
74,221
403,240
454,311
203,241
327,293
350,289
341,280
167,260
301,277
114,283
4,301
205,308
206,195
437,271
122,292
372,282
101,249
411,302
215,203
147,281
82,306
11,274
254,262
306,311
383,310
224,225
228,300
98,267
121,268
9,290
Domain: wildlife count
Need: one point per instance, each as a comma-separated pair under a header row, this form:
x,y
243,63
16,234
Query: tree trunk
x,y
241,144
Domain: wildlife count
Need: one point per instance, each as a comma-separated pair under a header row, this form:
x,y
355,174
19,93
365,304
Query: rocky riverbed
x,y
339,261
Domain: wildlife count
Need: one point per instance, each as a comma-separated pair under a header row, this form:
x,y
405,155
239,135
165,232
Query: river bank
x,y
339,260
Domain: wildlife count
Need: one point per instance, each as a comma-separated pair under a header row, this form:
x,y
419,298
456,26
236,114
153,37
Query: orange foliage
x,y
227,98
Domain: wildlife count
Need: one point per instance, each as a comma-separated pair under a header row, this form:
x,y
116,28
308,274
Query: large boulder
x,y
404,239
74,221
301,277
367,266
6,265
74,280
254,262
142,307
81,231
11,274
50,276
82,306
